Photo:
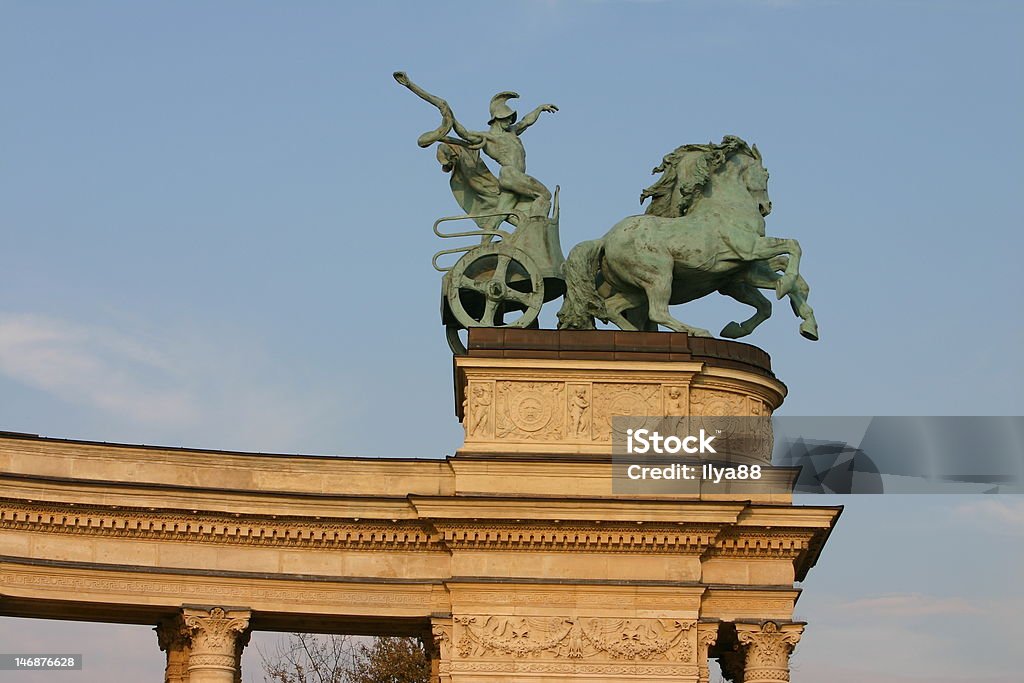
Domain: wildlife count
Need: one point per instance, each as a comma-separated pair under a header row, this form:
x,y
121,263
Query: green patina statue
x,y
504,281
511,196
704,231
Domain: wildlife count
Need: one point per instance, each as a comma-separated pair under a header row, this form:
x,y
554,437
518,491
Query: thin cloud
x,y
95,367
173,389
911,605
1000,516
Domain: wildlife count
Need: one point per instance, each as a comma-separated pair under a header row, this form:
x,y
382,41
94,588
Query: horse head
x,y
692,172
755,177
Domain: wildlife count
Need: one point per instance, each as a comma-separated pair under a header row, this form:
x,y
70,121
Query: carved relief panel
x,y
508,405
613,399
530,410
544,644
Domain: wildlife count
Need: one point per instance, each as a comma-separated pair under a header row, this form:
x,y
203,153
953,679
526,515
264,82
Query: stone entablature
x,y
520,565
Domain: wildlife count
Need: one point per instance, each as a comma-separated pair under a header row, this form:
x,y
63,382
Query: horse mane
x,y
690,181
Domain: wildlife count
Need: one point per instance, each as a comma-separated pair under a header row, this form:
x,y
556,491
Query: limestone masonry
x,y
513,559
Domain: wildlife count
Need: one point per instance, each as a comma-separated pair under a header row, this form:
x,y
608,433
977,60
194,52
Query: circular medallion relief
x,y
625,404
531,411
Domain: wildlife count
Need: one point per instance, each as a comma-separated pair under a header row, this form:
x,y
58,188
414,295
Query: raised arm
x,y
532,117
448,121
474,138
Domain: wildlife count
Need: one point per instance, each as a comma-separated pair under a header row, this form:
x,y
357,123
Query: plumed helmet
x,y
500,108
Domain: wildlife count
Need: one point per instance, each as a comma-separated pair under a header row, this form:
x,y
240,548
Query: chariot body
x,y
506,278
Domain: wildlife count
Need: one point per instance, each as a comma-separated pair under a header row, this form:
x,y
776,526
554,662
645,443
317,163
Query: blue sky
x,y
216,232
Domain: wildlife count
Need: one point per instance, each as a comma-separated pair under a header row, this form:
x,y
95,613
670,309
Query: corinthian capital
x,y
767,647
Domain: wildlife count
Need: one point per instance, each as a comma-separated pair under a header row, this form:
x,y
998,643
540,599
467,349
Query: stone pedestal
x,y
551,392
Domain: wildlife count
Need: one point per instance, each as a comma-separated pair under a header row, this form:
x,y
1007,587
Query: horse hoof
x,y
699,332
733,331
809,331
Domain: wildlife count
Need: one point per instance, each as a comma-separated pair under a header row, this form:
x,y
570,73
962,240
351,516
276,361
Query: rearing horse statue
x,y
703,232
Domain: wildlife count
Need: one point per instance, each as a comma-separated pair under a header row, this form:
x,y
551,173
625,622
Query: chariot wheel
x,y
494,282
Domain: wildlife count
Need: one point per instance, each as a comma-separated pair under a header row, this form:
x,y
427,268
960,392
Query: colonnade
x,y
205,644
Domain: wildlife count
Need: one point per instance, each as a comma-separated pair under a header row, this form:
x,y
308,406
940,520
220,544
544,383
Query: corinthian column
x,y
767,649
174,640
707,635
218,636
439,649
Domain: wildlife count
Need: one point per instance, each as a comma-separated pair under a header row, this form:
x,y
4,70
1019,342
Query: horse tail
x,y
582,302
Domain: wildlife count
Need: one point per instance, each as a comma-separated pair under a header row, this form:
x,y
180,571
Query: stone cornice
x,y
581,509
576,537
444,526
789,544
205,527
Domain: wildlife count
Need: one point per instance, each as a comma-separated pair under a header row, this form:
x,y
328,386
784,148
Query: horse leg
x,y
768,279
620,305
771,247
746,293
659,289
802,309
638,317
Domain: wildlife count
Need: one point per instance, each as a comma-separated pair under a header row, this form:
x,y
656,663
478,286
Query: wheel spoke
x,y
466,282
488,317
525,298
502,267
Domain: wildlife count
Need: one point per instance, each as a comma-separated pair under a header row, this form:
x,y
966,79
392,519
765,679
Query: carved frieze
x,y
749,435
619,399
584,638
527,411
479,410
521,405
580,411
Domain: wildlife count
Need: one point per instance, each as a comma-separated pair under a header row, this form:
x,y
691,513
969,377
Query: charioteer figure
x,y
507,277
513,192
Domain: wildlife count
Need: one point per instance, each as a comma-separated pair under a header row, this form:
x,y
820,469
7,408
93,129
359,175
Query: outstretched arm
x,y
448,120
472,137
532,117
